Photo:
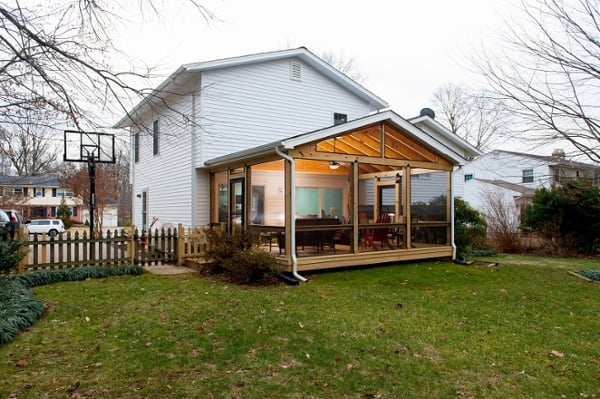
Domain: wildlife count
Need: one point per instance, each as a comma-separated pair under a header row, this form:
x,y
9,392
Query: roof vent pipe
x,y
427,112
558,153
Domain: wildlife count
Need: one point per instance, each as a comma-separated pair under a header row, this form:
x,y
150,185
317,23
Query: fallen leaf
x,y
300,324
22,363
557,353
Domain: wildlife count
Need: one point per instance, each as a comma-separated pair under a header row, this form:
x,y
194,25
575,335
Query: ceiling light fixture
x,y
333,165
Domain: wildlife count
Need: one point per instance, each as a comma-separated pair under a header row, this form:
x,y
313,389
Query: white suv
x,y
52,227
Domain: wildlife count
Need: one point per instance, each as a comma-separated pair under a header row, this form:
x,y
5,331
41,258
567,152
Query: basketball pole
x,y
92,173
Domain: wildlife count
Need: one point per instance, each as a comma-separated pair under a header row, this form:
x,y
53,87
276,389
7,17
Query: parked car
x,y
52,227
16,221
4,225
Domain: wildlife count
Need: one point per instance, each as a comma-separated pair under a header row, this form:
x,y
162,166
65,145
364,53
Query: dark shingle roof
x,y
33,181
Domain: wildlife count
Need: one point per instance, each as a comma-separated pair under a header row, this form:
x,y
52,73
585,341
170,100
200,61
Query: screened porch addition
x,y
364,196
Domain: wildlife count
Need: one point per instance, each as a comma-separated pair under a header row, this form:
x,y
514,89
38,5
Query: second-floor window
x,y
155,137
38,192
339,118
62,192
527,175
136,147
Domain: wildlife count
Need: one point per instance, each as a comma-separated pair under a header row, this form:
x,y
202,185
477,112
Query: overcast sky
x,y
405,49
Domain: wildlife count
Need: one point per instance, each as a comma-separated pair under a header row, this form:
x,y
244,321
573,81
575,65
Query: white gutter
x,y
452,218
292,247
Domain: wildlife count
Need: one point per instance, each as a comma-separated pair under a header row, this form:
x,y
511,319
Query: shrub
x,y
11,253
469,228
503,220
233,254
567,217
64,213
250,266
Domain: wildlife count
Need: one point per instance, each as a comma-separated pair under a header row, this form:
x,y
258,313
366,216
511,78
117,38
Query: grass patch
x,y
432,329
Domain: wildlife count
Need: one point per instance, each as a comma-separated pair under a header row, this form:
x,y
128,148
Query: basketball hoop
x,y
93,148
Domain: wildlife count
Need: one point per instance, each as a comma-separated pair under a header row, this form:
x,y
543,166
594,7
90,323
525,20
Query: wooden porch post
x,y
355,215
407,182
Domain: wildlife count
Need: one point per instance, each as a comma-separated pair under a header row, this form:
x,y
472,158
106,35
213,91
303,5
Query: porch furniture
x,y
310,232
380,234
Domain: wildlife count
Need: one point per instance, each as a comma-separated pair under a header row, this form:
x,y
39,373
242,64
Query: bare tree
x,y
29,145
56,55
474,116
344,64
503,222
77,180
548,72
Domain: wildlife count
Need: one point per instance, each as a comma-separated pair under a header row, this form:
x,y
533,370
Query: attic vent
x,y
295,70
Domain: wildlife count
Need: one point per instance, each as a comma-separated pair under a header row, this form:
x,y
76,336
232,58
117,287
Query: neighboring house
x,y
513,177
110,215
285,144
38,197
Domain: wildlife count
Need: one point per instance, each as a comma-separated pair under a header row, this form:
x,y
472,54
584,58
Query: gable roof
x,y
457,151
551,160
526,191
32,181
302,53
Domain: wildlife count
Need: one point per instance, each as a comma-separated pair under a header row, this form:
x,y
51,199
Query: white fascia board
x,y
263,150
358,90
440,129
306,56
127,121
396,119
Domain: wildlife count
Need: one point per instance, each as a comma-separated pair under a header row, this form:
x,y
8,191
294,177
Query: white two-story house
x,y
269,139
513,177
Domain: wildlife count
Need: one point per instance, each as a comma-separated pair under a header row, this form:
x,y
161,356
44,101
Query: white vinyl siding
x,y
251,105
166,176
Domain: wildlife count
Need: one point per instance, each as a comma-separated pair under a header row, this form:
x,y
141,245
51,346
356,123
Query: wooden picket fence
x,y
117,248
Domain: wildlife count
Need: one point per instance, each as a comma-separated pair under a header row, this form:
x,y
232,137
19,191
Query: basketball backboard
x,y
83,146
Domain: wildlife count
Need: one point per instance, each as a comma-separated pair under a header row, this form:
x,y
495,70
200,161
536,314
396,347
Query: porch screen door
x,y
236,201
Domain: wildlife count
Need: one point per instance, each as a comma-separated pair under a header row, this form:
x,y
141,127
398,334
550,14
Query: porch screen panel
x,y
429,207
429,196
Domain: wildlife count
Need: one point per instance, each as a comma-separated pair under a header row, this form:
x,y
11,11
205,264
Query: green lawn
x,y
524,329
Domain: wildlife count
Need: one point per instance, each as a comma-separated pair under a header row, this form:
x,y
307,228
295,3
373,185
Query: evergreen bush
x,y
469,228
11,253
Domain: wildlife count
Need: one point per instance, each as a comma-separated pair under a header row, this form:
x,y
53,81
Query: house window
x,y
62,192
295,71
38,192
155,137
527,175
53,211
339,118
468,176
316,202
74,211
136,147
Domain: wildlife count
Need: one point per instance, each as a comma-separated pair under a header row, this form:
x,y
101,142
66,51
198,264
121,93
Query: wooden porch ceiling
x,y
381,140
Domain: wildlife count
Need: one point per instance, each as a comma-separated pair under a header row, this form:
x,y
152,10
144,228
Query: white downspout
x,y
292,248
452,217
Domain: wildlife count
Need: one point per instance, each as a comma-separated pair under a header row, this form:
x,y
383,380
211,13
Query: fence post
x,y
131,248
180,244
